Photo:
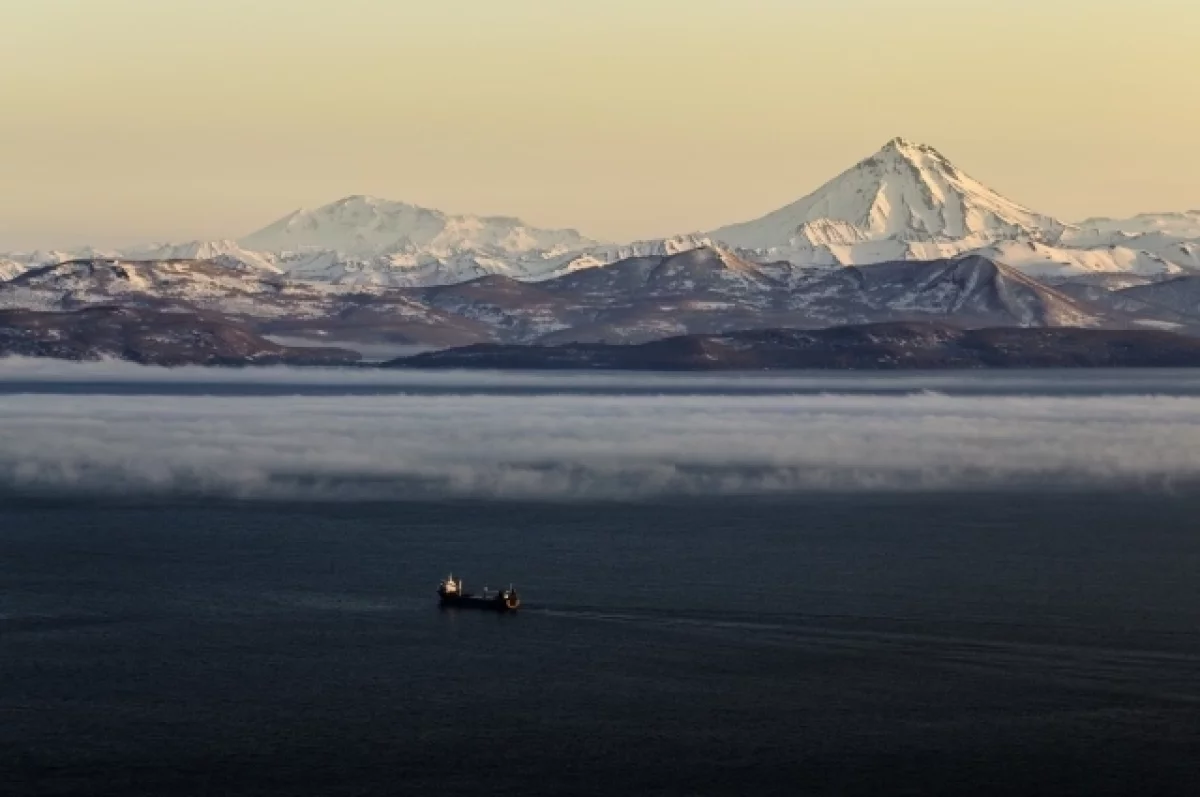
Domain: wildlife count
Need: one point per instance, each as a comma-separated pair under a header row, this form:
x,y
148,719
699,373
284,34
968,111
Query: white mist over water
x,y
550,446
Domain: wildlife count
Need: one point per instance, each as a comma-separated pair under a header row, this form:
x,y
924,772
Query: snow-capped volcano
x,y
362,226
906,192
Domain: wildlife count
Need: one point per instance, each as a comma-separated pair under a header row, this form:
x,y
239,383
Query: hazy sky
x,y
134,120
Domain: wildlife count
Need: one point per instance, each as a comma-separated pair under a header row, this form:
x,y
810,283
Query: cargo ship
x,y
452,594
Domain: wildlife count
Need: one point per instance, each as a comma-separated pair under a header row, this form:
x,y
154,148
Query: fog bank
x,y
589,447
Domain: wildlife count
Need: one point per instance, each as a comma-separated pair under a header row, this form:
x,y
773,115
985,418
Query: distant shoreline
x,y
867,347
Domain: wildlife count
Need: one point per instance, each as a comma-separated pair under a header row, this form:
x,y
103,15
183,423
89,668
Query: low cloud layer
x,y
589,447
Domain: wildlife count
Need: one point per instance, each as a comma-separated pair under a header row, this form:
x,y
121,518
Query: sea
x,y
223,583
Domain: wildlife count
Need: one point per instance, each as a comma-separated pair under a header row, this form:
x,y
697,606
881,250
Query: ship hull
x,y
492,603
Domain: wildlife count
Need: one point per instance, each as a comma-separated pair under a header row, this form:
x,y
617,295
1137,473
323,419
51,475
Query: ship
x,y
452,594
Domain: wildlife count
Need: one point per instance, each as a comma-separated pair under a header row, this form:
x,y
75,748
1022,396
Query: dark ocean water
x,y
934,644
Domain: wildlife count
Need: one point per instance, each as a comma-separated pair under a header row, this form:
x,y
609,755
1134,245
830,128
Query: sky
x,y
129,121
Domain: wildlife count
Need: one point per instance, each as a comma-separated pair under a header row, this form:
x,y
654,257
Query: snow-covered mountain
x,y
10,268
906,192
905,203
604,255
908,202
362,226
361,240
46,257
202,284
226,251
1064,262
1184,225
413,267
1173,238
269,303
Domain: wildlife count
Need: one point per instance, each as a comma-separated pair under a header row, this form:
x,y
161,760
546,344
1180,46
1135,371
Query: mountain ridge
x,y
886,346
906,202
636,300
150,337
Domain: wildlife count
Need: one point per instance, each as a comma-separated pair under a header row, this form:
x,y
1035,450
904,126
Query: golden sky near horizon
x,y
136,120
